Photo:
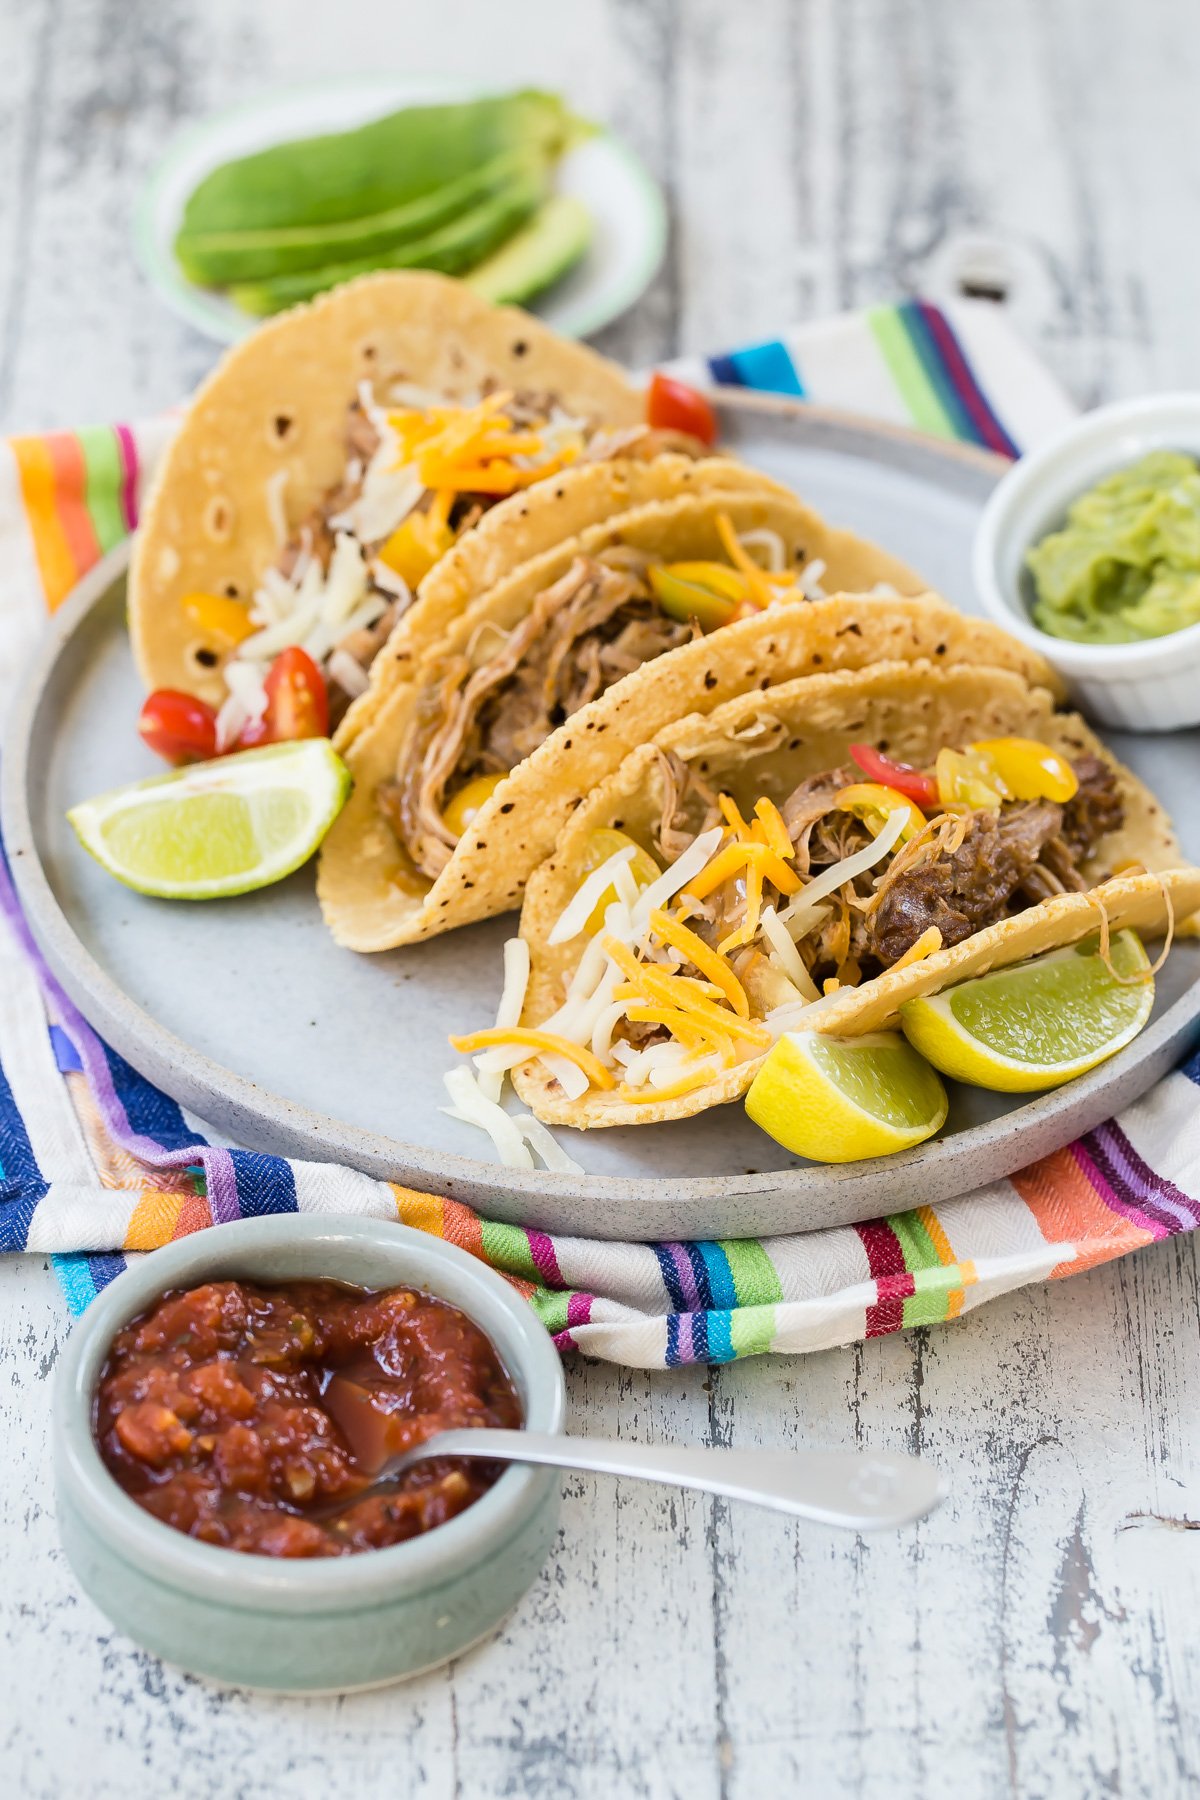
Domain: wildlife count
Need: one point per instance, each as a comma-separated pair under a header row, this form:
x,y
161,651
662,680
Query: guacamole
x,y
1126,565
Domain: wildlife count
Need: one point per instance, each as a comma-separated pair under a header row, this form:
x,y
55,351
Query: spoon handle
x,y
861,1490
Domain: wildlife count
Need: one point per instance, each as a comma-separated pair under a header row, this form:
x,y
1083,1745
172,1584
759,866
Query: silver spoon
x,y
863,1491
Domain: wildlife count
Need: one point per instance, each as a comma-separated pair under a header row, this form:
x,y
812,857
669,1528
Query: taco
x,y
333,458
869,835
470,767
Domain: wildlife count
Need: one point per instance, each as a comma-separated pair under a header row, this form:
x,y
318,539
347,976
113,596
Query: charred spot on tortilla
x,y
218,519
280,429
507,806
204,657
710,680
231,590
520,347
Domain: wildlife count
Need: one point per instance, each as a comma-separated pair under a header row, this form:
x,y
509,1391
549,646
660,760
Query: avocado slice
x,y
538,254
218,258
383,164
457,246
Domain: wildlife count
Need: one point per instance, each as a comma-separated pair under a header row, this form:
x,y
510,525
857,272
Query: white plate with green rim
x,y
247,1012
627,207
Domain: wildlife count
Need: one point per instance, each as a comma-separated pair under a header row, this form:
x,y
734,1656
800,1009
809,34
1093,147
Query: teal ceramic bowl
x,y
307,1627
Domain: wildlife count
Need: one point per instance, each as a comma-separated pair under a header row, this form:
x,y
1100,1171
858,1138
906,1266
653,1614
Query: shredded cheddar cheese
x,y
709,962
775,832
471,449
673,990
929,941
696,1034
758,583
733,859
539,1043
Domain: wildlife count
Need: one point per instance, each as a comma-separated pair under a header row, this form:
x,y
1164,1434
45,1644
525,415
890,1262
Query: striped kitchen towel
x,y
98,1165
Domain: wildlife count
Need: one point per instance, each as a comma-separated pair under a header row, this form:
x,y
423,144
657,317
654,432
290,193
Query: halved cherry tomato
x,y
178,727
901,776
674,406
297,698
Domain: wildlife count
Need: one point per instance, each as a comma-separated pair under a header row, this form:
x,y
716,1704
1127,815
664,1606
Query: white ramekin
x,y
1153,685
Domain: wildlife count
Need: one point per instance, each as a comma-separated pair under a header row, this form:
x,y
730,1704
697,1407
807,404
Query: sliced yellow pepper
x,y
1030,770
684,600
419,541
874,804
715,575
218,616
461,807
969,778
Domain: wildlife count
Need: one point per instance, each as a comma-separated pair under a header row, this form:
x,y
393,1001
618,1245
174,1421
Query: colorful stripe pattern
x,y
97,1165
79,492
911,366
144,1177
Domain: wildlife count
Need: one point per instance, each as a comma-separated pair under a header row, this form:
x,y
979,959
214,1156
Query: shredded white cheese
x,y
784,954
508,1012
578,910
799,915
349,675
546,1145
569,1076
275,485
685,868
809,579
345,580
473,1106
386,578
763,538
245,703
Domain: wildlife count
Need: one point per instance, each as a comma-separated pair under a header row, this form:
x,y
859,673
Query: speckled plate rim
x,y
602,301
768,1204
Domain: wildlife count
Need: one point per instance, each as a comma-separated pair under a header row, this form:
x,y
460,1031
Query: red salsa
x,y
240,1414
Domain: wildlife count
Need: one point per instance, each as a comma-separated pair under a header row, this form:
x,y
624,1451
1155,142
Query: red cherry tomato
x,y
674,406
902,776
178,726
297,698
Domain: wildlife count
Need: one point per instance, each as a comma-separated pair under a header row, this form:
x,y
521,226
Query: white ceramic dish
x,y
627,207
248,1013
1148,686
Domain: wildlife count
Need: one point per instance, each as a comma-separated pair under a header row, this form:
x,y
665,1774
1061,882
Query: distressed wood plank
x,y
1038,1634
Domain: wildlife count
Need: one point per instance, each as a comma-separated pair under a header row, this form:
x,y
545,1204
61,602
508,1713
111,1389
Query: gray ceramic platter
x,y
248,1014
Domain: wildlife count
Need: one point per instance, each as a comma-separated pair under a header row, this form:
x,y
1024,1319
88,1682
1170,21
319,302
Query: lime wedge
x,y
217,828
1039,1023
842,1099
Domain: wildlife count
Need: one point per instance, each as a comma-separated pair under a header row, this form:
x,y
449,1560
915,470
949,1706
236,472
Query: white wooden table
x,y
1038,1636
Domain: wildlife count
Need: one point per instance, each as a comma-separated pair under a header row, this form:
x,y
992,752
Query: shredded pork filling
x,y
314,536
963,871
591,628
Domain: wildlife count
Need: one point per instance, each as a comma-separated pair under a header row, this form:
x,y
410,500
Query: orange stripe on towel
x,y
1067,1209
422,1211
154,1220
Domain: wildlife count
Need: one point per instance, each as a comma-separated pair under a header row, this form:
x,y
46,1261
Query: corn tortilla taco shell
x,y
372,896
765,744
275,407
538,522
